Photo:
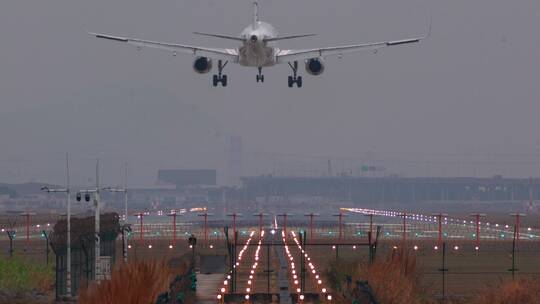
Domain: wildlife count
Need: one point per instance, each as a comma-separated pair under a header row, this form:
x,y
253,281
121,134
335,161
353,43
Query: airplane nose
x,y
254,38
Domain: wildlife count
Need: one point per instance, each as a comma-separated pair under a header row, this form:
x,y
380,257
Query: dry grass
x,y
394,279
523,291
137,282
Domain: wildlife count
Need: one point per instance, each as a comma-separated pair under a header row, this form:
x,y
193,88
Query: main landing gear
x,y
295,79
219,77
260,77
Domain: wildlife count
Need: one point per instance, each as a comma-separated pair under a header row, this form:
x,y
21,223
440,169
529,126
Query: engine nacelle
x,y
202,65
315,66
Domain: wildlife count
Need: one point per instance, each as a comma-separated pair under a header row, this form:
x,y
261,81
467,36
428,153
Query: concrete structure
x,y
182,178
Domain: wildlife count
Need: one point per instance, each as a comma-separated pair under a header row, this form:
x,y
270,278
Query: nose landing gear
x,y
260,77
219,77
294,78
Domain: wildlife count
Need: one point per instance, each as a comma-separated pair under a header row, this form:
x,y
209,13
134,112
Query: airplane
x,y
258,49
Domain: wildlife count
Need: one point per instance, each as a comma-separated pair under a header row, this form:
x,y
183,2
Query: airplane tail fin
x,y
255,12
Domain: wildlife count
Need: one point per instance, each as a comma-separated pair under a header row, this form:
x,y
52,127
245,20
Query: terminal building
x,y
373,190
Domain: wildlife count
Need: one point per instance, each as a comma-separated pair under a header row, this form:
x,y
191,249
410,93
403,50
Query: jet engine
x,y
315,66
202,65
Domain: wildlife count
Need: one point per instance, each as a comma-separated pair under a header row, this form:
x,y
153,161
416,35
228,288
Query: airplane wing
x,y
214,53
284,56
244,40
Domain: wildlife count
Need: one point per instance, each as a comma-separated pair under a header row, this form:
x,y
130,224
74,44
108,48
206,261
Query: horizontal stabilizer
x,y
288,37
219,36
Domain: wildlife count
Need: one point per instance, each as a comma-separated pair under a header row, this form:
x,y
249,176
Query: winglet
x,y
429,28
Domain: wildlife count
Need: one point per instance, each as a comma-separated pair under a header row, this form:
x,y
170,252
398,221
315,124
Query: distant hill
x,y
8,191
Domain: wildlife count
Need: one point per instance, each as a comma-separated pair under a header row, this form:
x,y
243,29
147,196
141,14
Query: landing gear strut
x,y
219,77
260,77
295,79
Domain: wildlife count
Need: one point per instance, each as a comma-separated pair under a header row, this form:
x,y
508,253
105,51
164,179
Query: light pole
x,y
234,216
477,217
205,215
125,226
27,220
260,215
518,217
370,233
174,214
311,216
68,224
97,202
140,216
285,215
340,223
439,230
11,235
46,235
404,237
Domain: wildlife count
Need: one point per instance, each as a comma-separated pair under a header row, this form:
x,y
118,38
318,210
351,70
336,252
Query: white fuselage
x,y
256,51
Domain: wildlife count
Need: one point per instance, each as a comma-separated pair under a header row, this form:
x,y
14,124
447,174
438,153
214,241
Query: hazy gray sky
x,y
471,89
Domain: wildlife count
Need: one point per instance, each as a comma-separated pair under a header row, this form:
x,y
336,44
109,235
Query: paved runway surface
x,y
207,287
